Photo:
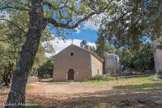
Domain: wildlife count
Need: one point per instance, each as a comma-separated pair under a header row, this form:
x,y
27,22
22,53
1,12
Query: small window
x,y
71,54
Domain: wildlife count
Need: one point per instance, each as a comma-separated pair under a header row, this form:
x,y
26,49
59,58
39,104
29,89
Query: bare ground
x,y
87,95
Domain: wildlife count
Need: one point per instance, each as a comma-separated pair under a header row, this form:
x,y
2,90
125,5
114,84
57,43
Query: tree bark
x,y
16,97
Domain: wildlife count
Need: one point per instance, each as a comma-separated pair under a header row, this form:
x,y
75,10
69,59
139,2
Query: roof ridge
x,y
92,52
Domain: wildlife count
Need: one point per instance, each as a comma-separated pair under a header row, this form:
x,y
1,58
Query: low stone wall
x,y
32,79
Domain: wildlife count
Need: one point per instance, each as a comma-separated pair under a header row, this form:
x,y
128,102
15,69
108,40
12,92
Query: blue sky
x,y
89,35
88,31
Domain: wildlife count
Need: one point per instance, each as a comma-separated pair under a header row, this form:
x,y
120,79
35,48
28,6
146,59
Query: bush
x,y
46,69
99,77
109,79
141,59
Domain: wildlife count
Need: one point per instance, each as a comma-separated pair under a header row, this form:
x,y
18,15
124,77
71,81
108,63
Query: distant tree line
x,y
141,59
46,70
128,28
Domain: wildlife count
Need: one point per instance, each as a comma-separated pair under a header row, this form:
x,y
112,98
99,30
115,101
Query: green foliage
x,y
110,49
39,60
100,77
140,59
9,53
125,57
71,11
151,78
104,47
141,84
132,23
12,38
67,14
109,79
46,69
143,59
100,46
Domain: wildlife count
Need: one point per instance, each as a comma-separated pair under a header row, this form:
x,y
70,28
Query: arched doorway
x,y
70,74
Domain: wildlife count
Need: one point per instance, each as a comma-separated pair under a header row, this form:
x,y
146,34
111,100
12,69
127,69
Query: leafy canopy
x,y
61,15
132,22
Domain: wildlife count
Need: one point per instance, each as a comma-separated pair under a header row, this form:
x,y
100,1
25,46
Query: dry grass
x,y
124,93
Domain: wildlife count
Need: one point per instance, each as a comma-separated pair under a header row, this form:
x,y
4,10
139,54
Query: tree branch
x,y
10,7
14,25
67,26
63,25
52,7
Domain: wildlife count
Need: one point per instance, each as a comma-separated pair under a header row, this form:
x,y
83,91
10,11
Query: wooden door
x,y
71,74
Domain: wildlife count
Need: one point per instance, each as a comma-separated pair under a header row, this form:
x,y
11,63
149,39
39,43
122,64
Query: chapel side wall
x,y
80,62
97,66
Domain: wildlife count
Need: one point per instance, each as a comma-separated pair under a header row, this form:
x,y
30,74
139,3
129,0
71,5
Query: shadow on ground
x,y
103,99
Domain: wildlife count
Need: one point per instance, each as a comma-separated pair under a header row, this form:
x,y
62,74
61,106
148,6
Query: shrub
x,y
99,77
46,69
109,79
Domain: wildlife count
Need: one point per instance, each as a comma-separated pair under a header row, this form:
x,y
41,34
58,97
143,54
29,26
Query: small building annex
x,y
77,64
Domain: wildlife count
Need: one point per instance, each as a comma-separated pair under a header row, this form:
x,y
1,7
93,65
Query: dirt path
x,y
86,95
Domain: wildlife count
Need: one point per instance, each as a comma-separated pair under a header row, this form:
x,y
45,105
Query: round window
x,y
71,54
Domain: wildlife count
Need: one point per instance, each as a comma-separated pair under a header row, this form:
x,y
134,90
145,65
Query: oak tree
x,y
133,22
66,14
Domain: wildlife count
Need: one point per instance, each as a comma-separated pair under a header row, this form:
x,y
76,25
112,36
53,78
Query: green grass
x,y
107,79
144,83
141,84
99,78
134,84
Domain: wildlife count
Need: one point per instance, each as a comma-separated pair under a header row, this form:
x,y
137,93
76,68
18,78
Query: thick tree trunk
x,y
16,96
